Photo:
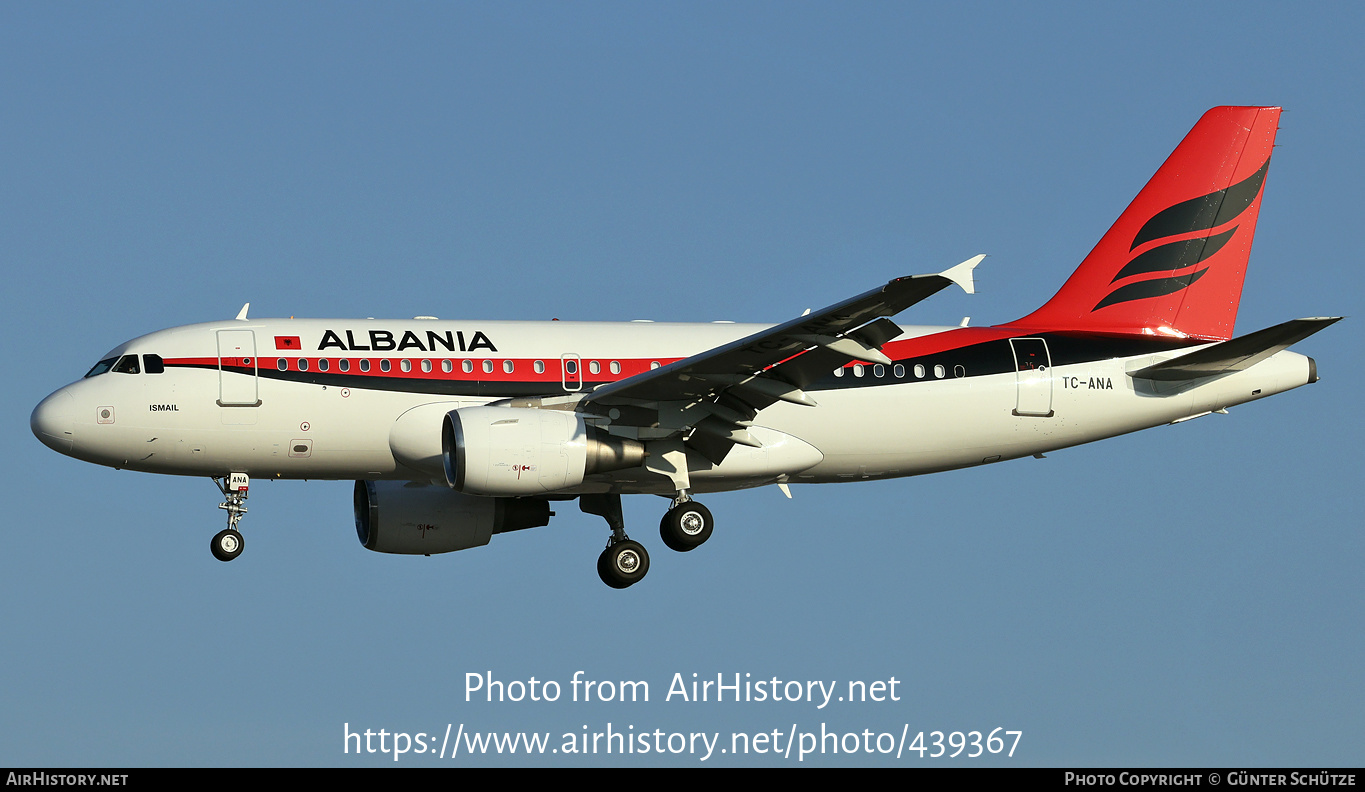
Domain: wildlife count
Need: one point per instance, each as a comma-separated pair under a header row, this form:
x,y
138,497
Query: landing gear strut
x,y
624,562
228,544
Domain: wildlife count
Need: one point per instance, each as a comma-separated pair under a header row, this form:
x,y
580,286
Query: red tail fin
x,y
1173,263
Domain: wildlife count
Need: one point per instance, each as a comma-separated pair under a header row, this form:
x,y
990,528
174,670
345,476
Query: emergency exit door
x,y
571,369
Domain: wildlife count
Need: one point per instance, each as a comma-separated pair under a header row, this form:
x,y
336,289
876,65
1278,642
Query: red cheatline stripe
x,y
522,368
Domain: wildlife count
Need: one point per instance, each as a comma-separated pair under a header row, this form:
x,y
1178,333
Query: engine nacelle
x,y
419,519
521,451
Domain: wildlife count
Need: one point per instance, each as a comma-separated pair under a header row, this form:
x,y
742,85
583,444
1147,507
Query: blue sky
x,y
1187,595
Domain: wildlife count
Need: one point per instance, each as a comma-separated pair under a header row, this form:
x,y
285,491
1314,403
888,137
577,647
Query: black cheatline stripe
x,y
1156,287
1175,255
1204,212
996,357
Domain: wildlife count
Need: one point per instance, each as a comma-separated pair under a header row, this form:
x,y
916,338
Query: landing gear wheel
x,y
604,570
226,545
685,526
623,564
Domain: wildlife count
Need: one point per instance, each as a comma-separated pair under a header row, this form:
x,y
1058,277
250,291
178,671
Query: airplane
x,y
456,431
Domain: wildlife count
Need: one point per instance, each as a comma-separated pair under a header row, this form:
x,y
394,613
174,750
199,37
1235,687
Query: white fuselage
x,y
208,413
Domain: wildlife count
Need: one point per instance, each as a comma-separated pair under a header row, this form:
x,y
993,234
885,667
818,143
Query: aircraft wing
x,y
717,392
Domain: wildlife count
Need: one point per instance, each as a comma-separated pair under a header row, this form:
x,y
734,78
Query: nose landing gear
x,y
228,544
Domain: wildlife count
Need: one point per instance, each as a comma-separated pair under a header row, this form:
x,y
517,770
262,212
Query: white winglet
x,y
962,273
241,315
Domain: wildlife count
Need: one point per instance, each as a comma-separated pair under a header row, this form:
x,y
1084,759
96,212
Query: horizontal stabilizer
x,y
1238,354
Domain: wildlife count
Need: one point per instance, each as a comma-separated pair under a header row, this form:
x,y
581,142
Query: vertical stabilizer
x,y
1173,263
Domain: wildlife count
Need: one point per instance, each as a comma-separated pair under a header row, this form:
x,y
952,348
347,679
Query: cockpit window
x,y
127,365
101,367
152,364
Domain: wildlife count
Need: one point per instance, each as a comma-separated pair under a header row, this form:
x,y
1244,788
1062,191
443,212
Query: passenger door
x,y
237,369
1033,377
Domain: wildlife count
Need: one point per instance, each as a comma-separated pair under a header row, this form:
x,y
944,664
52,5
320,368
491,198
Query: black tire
x,y
685,526
602,571
227,545
623,564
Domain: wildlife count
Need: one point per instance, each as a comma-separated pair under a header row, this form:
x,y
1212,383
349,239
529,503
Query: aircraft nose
x,y
54,421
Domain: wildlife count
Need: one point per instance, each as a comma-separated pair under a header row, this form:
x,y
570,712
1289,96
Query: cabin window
x,y
594,367
405,365
385,365
303,364
938,371
343,365
488,367
879,370
899,371
466,366
539,366
152,364
616,367
959,371
839,372
507,367
322,364
653,364
447,366
857,369
365,364
282,364
919,371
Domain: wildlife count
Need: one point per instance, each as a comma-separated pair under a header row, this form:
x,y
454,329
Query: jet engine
x,y
416,518
519,451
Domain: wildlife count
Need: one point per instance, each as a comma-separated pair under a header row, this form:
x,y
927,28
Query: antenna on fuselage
x,y
241,315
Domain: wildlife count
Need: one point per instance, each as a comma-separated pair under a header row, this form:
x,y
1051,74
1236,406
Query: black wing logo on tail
x,y
1197,214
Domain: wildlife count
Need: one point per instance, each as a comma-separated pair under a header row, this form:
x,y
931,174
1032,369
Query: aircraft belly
x,y
897,430
298,431
916,428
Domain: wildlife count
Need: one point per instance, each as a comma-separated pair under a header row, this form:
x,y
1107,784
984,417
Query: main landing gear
x,y
228,544
686,525
625,561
